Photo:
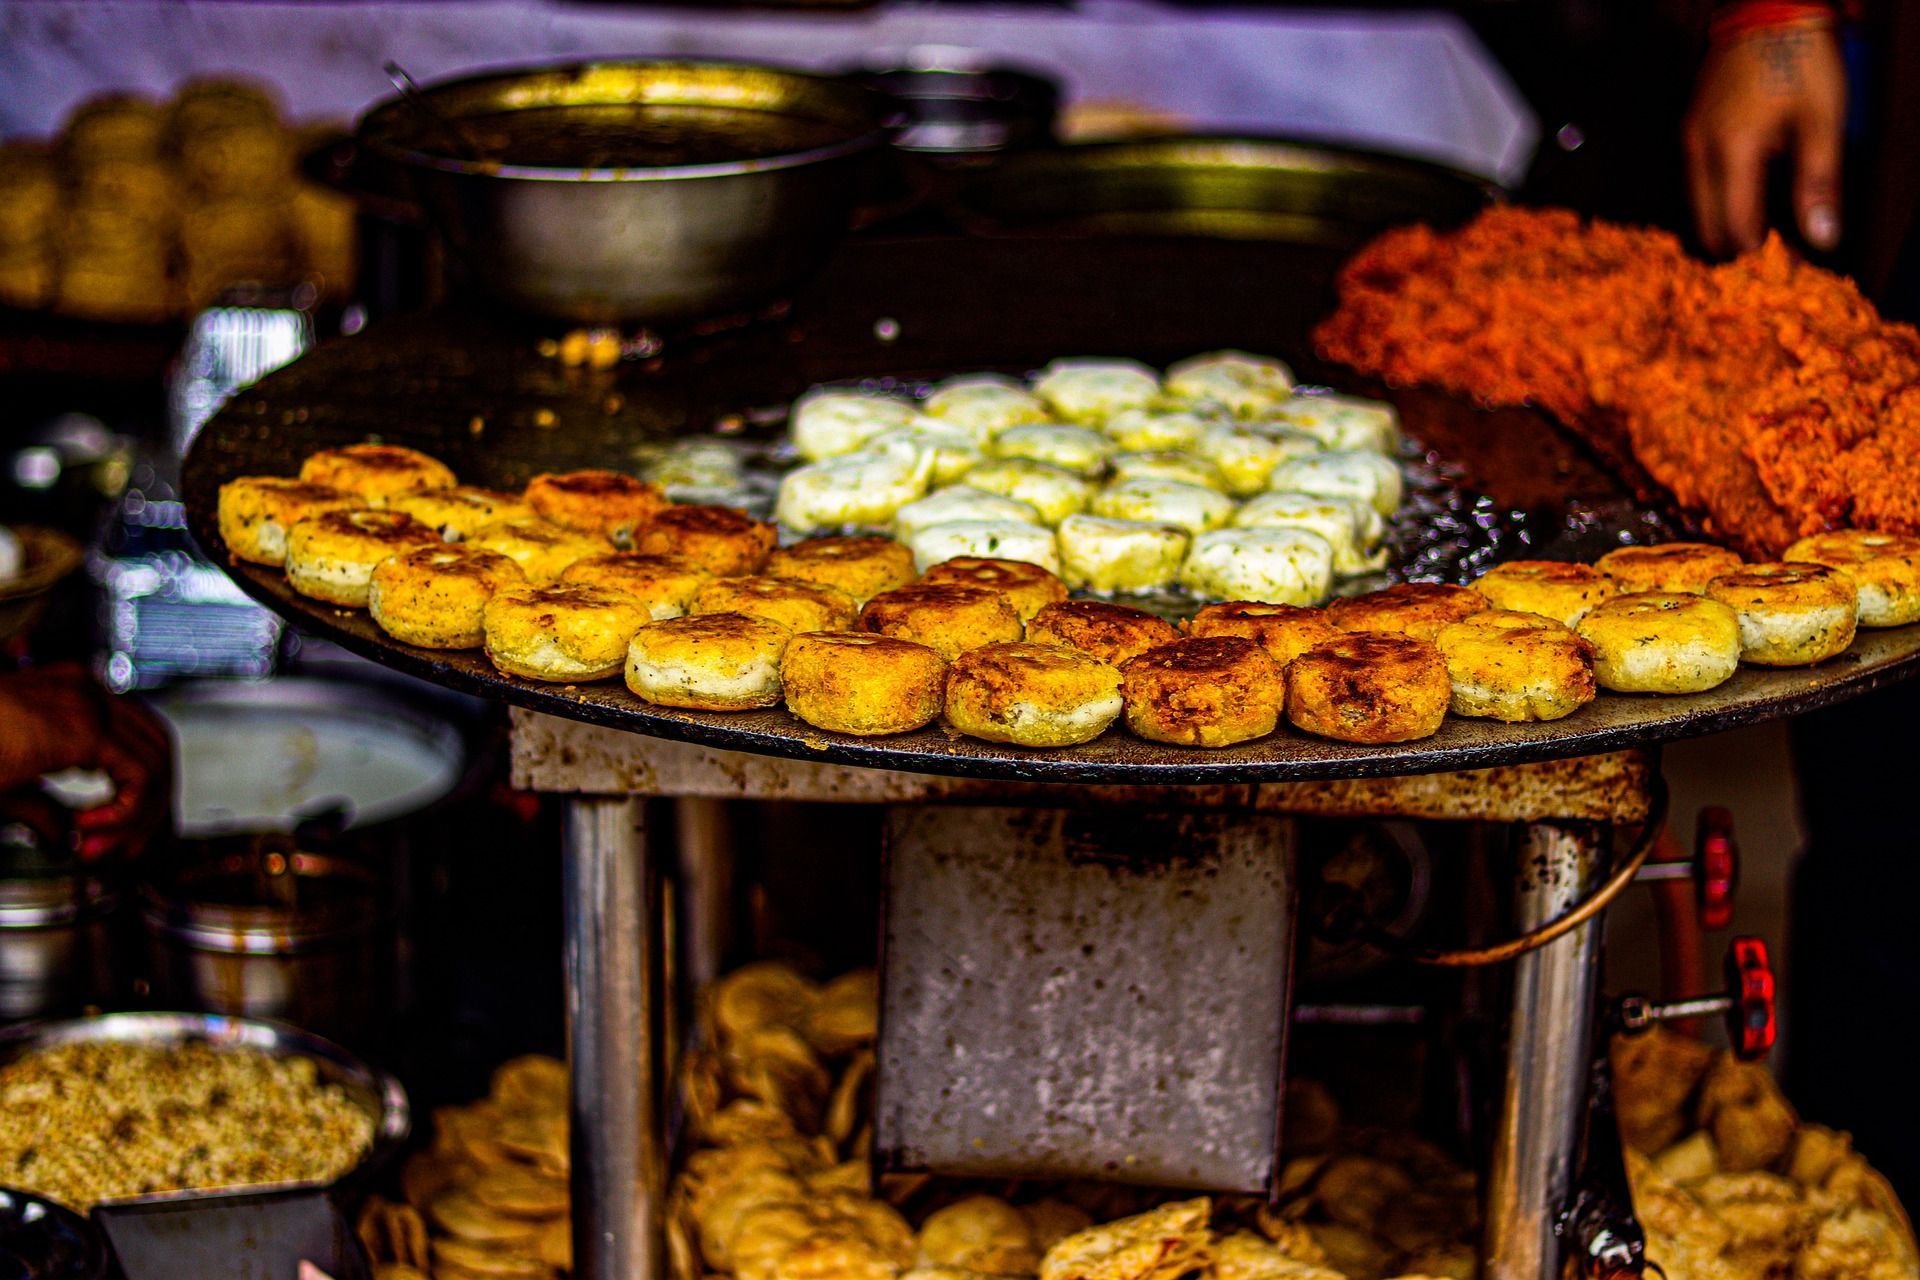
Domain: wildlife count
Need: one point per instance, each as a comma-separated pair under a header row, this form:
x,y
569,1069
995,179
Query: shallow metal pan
x,y
956,304
1243,188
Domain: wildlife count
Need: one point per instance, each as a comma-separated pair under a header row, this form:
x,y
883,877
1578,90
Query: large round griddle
x,y
471,390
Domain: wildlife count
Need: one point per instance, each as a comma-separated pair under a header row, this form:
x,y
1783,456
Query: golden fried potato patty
x,y
256,512
1678,567
1027,587
1791,615
1204,691
1369,687
435,597
1662,642
797,606
541,548
1110,632
331,556
1285,631
862,567
861,683
376,472
1032,695
1514,666
946,617
561,633
1884,566
665,584
1556,589
607,504
708,662
459,512
724,542
1417,609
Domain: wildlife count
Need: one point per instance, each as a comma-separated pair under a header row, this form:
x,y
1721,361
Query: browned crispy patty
x,y
724,542
797,606
1110,632
542,548
946,617
607,504
708,662
459,512
561,633
1027,587
1204,691
1417,609
435,596
256,513
862,567
1557,589
1885,568
1285,631
665,584
1791,615
1370,687
861,683
1516,666
331,556
1032,695
1671,566
376,472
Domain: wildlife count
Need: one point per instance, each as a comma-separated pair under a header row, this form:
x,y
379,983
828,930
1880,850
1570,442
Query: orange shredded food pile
x,y
1766,395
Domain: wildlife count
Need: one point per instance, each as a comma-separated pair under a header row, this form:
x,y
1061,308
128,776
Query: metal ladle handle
x,y
416,98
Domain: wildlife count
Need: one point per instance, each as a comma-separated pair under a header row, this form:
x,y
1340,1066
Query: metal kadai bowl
x,y
372,1090
634,191
1238,188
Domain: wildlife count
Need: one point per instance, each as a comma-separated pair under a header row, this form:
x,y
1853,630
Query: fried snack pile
x,y
88,1122
1731,1186
706,612
778,1103
142,209
1766,395
488,1198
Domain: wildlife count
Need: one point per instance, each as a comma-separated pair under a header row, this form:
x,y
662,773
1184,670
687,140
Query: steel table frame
x,y
618,1005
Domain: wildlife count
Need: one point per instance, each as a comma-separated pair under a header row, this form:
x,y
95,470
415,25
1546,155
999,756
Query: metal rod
x,y
1664,871
1548,1050
613,1009
705,887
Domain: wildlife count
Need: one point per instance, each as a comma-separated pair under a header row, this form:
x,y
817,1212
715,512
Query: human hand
x,y
59,718
1764,93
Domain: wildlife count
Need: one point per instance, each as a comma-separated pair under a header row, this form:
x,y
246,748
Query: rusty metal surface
x,y
469,390
1169,934
555,755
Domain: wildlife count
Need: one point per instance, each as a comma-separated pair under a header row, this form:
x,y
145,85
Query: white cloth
x,y
1417,83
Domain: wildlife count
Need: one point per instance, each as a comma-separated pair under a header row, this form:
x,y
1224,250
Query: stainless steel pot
x,y
270,931
57,935
587,241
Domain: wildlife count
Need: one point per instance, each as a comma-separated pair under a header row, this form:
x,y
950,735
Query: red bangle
x,y
1743,17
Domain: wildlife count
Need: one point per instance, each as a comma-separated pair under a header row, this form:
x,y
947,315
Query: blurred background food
x,y
144,210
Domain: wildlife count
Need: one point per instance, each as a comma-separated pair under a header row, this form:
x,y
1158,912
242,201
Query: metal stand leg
x,y
1547,1056
613,1008
705,889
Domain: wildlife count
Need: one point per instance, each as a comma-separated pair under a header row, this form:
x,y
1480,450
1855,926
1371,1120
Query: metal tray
x,y
472,392
373,1090
1246,188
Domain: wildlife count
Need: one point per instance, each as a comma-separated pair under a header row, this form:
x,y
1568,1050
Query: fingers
x,y
1704,189
137,753
1742,165
1816,180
